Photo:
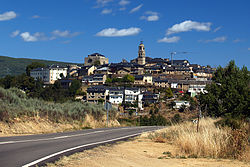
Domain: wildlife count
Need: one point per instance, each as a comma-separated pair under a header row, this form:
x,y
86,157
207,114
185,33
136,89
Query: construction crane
x,y
175,53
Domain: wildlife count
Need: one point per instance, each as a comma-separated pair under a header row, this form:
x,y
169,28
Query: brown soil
x,y
141,152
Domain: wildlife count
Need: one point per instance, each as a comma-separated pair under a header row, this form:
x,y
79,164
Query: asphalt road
x,y
39,149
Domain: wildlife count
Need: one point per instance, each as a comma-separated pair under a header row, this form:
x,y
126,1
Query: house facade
x,y
116,95
97,79
131,95
96,93
50,74
95,59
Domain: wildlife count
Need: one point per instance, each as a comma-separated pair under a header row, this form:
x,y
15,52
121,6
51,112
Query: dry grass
x,y
38,125
210,141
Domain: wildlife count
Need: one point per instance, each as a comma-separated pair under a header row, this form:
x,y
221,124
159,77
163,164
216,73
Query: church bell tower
x,y
141,54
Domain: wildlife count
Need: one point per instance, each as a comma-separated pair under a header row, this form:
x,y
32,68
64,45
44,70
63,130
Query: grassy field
x,y
210,141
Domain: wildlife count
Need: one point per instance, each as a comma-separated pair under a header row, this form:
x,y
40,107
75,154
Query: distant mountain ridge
x,y
17,66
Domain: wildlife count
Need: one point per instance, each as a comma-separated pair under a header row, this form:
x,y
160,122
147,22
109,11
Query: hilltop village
x,y
133,84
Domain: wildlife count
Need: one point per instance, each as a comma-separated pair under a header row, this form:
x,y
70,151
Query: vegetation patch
x,y
15,104
209,141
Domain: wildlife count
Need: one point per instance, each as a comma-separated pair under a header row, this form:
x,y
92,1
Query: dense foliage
x,y
229,93
35,89
32,66
15,104
169,93
153,121
126,79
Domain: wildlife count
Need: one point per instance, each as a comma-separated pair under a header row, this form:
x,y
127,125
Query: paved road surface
x,y
39,149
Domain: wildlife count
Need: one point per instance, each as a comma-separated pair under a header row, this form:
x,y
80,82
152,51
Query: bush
x,y
176,119
14,104
153,121
229,122
210,141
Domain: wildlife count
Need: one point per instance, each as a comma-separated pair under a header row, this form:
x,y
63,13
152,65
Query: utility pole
x,y
108,106
199,116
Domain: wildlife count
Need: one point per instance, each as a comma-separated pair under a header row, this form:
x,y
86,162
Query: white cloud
x,y
189,26
7,16
150,16
65,34
173,39
217,29
35,17
102,3
106,11
124,2
15,33
122,9
217,39
237,40
40,36
27,37
66,42
136,8
113,32
248,48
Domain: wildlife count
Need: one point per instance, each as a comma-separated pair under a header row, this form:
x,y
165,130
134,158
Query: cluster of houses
x,y
147,72
121,95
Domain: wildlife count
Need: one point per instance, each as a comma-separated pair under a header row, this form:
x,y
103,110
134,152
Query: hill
x,y
17,66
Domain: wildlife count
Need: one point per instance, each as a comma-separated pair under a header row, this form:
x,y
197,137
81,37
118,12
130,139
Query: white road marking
x,y
74,148
63,137
77,147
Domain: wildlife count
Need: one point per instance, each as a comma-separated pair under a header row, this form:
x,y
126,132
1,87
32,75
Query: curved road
x,y
39,149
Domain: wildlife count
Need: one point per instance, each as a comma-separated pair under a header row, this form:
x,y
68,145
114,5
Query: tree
x,y
8,81
193,104
169,93
32,66
101,101
229,94
128,78
109,80
176,119
61,76
75,85
97,63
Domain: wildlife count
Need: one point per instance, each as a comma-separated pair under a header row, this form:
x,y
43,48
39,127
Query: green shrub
x,y
229,122
14,103
176,119
153,121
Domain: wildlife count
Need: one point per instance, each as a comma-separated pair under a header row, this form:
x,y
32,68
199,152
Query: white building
x,y
178,104
131,94
140,97
195,89
116,95
49,75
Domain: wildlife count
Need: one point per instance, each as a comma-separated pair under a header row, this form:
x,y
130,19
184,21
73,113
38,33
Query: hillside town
x,y
136,83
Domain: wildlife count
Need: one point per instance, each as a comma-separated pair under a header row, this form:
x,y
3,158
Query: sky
x,y
210,32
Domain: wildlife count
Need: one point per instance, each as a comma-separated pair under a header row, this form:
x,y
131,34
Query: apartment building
x,y
50,74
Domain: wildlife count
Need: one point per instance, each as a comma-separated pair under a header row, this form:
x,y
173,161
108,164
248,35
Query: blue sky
x,y
211,31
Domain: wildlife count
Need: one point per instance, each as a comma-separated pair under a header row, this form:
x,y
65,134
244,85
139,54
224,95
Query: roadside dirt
x,y
141,152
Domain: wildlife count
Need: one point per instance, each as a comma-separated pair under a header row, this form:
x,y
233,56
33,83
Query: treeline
x,y
153,120
229,93
37,89
15,104
126,79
